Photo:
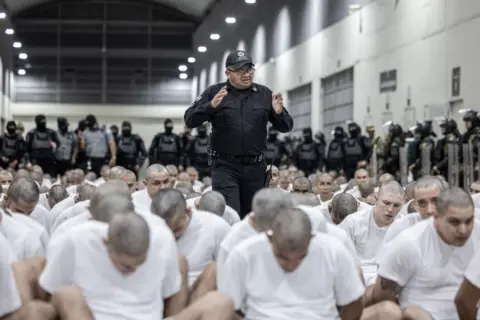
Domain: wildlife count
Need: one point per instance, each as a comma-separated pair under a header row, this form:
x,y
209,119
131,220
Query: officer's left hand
x,y
277,102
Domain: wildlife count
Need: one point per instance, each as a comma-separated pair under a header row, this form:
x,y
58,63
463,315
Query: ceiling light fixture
x,y
250,1
191,60
183,76
202,49
17,45
230,20
9,31
23,56
355,6
214,36
182,68
3,15
22,72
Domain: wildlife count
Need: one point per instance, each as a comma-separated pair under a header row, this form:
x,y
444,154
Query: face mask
x,y
63,127
202,133
11,130
307,137
272,136
338,134
126,131
41,125
168,128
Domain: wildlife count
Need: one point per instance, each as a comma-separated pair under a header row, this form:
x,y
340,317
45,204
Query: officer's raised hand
x,y
277,102
219,97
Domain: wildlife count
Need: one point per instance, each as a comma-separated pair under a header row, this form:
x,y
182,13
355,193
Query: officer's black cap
x,y
237,59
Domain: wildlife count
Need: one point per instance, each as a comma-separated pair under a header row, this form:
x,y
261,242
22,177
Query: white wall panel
x,y
422,39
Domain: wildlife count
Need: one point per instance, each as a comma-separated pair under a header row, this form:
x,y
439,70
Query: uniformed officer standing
x,y
131,153
66,153
197,152
239,111
12,147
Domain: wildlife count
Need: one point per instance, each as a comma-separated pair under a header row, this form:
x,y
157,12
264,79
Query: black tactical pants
x,y
238,182
63,166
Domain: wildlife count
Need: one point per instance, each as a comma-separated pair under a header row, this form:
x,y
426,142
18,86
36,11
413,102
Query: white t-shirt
x,y
367,238
6,249
75,210
142,198
10,298
258,285
35,228
355,192
72,222
429,270
401,224
324,208
58,209
201,241
24,243
40,214
43,200
109,294
231,216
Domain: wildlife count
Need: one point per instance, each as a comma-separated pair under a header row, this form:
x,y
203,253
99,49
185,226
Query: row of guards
x,y
463,165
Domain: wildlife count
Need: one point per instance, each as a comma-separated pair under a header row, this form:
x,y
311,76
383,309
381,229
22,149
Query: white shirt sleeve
x,y
472,273
220,233
349,226
60,263
9,296
234,279
399,261
348,286
173,279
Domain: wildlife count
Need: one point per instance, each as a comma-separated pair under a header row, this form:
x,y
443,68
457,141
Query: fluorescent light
x,y
230,20
214,36
3,15
22,72
23,56
191,60
17,44
250,1
354,6
183,76
182,68
9,31
202,49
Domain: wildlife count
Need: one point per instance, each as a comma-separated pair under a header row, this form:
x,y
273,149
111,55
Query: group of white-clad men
x,y
110,252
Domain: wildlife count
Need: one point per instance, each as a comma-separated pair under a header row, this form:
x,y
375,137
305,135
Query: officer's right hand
x,y
219,97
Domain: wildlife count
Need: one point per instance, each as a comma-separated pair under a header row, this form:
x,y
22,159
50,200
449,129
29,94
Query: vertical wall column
x,y
317,105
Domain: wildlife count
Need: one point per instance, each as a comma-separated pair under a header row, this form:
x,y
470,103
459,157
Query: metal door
x,y
300,108
337,96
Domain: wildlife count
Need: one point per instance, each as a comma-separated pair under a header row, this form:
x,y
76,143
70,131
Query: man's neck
x,y
326,196
376,218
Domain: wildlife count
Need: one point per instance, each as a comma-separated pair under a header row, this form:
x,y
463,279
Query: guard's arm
x,y
142,152
466,300
200,111
282,121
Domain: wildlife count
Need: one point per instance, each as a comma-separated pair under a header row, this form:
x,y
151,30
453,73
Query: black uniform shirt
x,y
239,123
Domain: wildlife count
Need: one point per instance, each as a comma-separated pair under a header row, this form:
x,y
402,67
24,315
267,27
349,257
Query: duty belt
x,y
245,160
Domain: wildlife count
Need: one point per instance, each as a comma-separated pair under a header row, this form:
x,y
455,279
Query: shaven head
x,y
392,187
117,172
37,176
128,242
391,198
22,196
22,173
342,205
214,202
455,216
107,190
366,188
107,208
305,199
425,194
302,185
384,178
290,238
170,204
266,204
56,194
157,178
85,192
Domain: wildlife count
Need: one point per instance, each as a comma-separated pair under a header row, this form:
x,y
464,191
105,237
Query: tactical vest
x,y
9,148
200,149
335,151
127,146
353,148
272,152
65,150
96,143
167,144
41,140
306,152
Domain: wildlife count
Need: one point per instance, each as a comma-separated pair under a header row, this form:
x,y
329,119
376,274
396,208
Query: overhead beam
x,y
113,53
101,22
86,30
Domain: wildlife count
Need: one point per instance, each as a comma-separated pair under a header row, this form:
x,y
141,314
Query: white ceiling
x,y
192,7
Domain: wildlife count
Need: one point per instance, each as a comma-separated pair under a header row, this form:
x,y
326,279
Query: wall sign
x,y
456,73
388,81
